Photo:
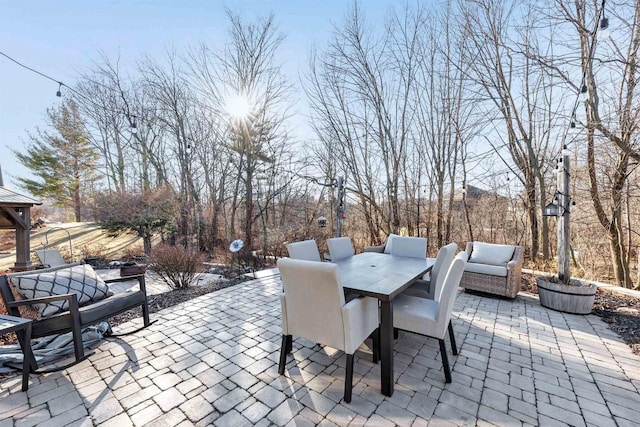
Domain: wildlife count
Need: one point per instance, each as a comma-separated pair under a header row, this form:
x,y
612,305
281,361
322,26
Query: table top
x,y
12,323
381,276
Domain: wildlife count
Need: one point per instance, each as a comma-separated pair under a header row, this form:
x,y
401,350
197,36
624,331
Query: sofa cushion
x,y
77,279
492,270
492,254
389,244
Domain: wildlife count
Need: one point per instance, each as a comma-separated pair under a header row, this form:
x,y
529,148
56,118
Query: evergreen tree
x,y
63,160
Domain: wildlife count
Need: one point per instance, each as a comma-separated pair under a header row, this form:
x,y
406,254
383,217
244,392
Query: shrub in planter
x,y
176,265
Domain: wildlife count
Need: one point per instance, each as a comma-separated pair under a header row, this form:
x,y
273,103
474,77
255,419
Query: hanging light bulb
x,y
59,92
134,127
584,90
565,151
572,125
603,31
188,148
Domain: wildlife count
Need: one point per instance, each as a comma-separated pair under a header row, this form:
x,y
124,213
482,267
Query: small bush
x,y
177,265
133,252
95,250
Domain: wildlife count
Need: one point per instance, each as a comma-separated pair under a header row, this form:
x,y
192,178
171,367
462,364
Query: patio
x,y
213,360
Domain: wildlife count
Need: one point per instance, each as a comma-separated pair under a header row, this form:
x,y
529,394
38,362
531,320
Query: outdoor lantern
x,y
550,210
322,222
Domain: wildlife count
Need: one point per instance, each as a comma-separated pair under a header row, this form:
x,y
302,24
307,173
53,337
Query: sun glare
x,y
238,107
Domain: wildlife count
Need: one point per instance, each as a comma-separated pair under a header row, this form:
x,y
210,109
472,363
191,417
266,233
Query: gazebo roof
x,y
11,198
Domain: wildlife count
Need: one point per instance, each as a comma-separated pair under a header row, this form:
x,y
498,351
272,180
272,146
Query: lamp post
x,y
341,211
564,232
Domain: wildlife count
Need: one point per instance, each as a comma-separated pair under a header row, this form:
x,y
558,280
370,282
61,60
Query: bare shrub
x,y
132,252
176,265
94,250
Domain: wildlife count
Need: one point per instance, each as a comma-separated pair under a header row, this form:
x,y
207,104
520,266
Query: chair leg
x,y
286,341
375,337
289,344
395,333
445,360
452,337
76,329
348,379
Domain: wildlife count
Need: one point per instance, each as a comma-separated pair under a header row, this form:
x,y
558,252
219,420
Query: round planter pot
x,y
566,298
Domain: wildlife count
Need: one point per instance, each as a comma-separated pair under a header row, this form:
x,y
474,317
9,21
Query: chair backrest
x,y
307,249
313,300
7,296
340,248
448,294
441,266
50,257
412,247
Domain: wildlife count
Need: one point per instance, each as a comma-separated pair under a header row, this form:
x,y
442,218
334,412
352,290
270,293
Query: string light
x,y
70,89
134,126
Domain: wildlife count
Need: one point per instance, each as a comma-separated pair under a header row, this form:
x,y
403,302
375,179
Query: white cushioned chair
x,y
411,247
431,284
406,246
432,318
307,249
340,248
313,307
495,269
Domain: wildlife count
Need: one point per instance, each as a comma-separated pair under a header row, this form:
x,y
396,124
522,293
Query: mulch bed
x,y
620,312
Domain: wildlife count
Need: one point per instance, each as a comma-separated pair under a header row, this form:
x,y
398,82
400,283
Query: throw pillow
x,y
81,280
492,254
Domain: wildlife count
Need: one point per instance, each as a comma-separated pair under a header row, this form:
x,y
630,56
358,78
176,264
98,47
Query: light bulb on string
x,y
604,32
188,149
565,151
584,91
134,126
59,92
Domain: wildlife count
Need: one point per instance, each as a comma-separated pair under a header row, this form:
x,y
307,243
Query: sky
x,y
64,38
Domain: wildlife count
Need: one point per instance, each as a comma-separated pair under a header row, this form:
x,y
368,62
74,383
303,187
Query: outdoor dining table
x,y
383,277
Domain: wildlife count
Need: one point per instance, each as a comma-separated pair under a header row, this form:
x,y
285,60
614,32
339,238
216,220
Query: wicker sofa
x,y
494,269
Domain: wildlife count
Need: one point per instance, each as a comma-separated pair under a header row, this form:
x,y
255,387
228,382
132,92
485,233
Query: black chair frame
x,y
76,318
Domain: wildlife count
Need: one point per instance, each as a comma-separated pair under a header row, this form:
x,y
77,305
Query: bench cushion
x,y
492,254
90,314
492,270
77,279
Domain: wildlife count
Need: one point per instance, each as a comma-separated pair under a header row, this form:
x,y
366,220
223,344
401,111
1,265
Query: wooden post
x,y
564,232
339,206
23,247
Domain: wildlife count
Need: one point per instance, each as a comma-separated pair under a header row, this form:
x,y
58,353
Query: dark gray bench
x,y
76,318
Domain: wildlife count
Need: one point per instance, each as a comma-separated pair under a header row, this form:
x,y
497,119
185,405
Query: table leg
x,y
26,357
386,347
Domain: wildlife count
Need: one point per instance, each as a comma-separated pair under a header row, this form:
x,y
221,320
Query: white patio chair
x,y
411,247
432,318
307,250
50,257
340,248
313,307
430,286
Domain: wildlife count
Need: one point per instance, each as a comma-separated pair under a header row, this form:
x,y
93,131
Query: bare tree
x,y
520,98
